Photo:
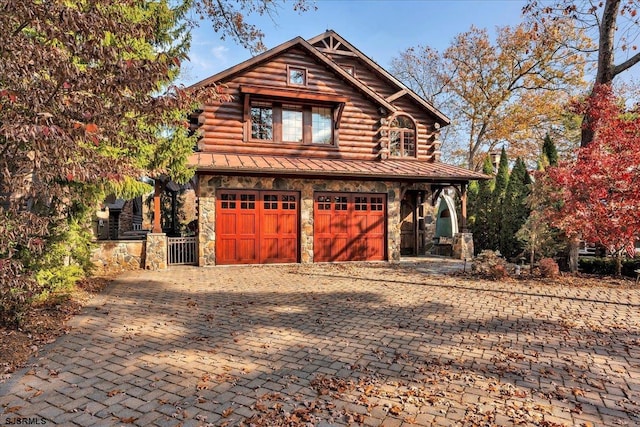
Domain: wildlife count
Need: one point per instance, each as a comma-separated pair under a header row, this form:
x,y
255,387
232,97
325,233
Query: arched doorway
x,y
446,219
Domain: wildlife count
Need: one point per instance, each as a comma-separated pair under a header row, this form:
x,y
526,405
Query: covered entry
x,y
256,227
350,227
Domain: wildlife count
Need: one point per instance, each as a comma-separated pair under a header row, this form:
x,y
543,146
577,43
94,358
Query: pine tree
x,y
514,209
497,199
481,208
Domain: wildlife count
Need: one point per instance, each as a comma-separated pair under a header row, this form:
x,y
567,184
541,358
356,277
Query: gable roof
x,y
332,42
313,52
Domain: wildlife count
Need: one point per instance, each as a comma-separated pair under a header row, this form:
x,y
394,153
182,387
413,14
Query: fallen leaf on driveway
x,y
395,410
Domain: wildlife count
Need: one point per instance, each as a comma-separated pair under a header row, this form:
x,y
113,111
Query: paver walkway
x,y
344,344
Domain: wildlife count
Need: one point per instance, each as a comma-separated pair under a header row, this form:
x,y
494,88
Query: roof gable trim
x,y
298,41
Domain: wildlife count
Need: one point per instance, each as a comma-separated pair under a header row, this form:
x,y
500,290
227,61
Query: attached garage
x,y
350,226
257,227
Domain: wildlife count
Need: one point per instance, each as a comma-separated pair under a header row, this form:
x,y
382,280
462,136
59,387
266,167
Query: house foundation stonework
x,y
209,184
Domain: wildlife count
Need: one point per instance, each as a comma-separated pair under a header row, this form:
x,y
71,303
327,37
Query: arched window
x,y
402,137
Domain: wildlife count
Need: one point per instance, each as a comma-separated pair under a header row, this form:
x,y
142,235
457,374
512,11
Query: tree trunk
x,y
574,245
619,264
606,69
532,258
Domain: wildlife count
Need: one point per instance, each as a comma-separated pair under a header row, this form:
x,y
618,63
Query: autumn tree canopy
x,y
614,26
502,91
88,106
598,191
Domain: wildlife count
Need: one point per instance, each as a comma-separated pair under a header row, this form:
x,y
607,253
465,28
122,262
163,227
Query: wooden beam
x,y
396,95
293,94
246,117
416,221
437,190
338,115
157,226
463,198
338,52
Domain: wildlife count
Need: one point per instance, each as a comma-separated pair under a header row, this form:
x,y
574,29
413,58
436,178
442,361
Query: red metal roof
x,y
391,169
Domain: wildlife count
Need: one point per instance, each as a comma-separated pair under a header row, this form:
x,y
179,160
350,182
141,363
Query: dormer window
x,y
297,76
402,137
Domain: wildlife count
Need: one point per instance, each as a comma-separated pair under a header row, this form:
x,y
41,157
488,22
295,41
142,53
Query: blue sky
x,y
381,29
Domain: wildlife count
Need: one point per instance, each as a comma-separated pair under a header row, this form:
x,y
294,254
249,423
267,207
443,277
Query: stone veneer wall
x,y
156,252
463,246
207,207
118,255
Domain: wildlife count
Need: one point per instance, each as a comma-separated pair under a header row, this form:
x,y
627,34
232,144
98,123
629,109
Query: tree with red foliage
x,y
599,191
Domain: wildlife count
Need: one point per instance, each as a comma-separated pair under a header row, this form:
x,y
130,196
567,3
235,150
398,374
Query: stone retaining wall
x,y
118,255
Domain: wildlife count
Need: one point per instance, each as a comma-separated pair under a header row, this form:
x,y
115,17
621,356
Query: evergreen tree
x,y
514,209
472,203
497,199
536,235
481,209
549,151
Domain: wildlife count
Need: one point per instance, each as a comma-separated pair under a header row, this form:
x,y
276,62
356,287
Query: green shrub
x,y
58,280
607,266
629,266
17,291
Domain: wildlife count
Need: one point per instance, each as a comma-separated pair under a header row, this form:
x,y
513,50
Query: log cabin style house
x,y
321,155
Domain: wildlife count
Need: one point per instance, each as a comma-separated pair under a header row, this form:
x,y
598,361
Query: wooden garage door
x,y
349,227
256,227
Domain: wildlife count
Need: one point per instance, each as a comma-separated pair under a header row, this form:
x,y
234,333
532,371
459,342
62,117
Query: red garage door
x,y
349,227
256,227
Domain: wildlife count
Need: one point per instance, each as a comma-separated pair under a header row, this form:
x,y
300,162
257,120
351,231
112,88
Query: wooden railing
x,y
181,250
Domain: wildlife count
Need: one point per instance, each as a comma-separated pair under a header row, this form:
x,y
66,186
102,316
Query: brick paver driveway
x,y
337,345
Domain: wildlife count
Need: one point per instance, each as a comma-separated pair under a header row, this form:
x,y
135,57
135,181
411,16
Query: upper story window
x,y
296,76
262,120
321,125
299,123
292,123
402,137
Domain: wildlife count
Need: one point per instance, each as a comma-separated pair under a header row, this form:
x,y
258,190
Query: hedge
x,y
607,266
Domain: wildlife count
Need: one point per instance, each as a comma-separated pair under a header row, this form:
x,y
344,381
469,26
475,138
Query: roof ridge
x,y
377,67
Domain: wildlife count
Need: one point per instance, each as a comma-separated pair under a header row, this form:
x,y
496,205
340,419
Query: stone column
x,y
156,252
463,246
